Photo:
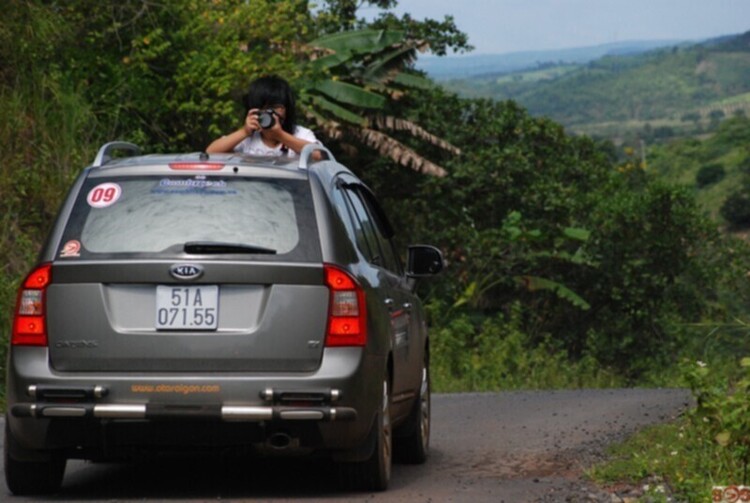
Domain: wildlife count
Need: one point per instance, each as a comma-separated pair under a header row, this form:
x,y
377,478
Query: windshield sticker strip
x,y
199,185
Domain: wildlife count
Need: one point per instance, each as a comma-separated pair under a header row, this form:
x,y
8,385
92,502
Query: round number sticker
x,y
103,195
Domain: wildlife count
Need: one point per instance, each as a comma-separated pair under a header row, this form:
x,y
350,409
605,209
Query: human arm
x,y
295,142
227,144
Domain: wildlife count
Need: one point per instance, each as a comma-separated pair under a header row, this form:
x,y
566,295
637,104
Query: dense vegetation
x,y
667,84
705,448
710,445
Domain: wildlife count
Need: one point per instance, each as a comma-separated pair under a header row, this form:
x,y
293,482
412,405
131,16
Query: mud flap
x,y
361,453
16,451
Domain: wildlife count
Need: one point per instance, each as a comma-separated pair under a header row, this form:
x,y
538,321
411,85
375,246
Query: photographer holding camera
x,y
270,127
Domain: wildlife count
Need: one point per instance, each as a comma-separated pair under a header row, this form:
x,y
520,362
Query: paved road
x,y
513,447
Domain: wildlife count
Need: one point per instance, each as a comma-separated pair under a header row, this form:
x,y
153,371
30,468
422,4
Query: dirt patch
x,y
523,466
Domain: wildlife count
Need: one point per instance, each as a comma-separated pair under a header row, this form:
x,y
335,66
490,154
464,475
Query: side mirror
x,y
423,261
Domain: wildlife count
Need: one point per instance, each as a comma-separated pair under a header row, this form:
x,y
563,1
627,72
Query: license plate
x,y
187,307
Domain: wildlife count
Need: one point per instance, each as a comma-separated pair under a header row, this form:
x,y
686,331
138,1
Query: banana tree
x,y
357,76
510,254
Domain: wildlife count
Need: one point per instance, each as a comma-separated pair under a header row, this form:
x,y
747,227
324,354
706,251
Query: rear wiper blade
x,y
199,247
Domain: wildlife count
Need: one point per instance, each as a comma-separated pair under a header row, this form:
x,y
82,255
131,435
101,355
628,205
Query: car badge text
x,y
186,271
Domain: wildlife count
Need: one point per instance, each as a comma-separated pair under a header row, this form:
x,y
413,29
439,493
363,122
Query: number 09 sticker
x,y
103,195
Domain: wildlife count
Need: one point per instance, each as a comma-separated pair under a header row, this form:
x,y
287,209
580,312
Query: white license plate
x,y
187,307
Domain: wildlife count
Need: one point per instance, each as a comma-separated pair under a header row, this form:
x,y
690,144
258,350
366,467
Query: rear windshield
x,y
175,216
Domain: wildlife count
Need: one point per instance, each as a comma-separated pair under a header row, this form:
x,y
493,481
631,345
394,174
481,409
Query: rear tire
x,y
374,474
31,477
412,441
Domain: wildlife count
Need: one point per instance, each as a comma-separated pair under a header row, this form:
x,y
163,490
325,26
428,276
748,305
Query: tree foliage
x,y
709,174
606,261
439,36
169,74
736,209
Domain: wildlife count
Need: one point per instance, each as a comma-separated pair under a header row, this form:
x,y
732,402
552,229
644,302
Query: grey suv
x,y
256,305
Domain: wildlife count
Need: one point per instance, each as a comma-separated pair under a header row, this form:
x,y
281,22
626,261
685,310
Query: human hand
x,y
251,122
275,131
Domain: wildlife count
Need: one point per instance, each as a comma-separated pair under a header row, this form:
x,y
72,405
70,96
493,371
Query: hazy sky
x,y
499,26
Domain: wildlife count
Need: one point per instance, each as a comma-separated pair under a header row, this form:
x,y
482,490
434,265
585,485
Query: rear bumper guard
x,y
165,411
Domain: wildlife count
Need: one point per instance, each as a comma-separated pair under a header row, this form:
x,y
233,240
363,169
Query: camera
x,y
266,118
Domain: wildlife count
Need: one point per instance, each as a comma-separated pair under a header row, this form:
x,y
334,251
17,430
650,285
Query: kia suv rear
x,y
251,305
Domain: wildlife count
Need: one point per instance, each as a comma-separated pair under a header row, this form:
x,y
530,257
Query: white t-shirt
x,y
253,145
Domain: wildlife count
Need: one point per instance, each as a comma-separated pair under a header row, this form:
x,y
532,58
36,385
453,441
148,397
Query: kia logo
x,y
186,271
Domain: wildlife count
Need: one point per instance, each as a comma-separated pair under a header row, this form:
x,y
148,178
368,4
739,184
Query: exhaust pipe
x,y
279,441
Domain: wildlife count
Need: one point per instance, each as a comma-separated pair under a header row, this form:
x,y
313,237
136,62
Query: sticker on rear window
x,y
71,249
198,185
103,195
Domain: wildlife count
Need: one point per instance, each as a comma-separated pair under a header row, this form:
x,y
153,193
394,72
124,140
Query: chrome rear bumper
x,y
282,404
166,411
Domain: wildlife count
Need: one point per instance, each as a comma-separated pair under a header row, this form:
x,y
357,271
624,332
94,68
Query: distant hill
x,y
687,162
663,83
451,67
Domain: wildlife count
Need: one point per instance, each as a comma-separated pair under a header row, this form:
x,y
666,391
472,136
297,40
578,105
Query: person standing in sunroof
x,y
270,126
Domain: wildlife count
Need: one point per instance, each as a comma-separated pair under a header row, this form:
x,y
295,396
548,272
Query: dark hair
x,y
273,90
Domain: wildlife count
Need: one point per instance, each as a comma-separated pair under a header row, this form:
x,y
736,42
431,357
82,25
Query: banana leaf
x,y
331,60
350,94
577,233
359,41
390,62
339,111
413,81
534,283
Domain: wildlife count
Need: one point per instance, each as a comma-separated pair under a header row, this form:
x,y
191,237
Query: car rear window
x,y
158,215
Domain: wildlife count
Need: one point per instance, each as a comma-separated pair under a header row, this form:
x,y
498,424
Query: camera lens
x,y
266,119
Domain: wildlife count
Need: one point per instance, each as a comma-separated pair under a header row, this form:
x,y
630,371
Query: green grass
x,y
669,452
708,446
493,354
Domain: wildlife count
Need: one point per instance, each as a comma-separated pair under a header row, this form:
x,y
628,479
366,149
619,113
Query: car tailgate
x,y
269,317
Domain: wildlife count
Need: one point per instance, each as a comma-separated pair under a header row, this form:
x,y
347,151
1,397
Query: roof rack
x,y
105,152
307,152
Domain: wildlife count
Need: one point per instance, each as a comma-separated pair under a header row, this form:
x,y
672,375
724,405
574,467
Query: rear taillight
x,y
347,320
29,324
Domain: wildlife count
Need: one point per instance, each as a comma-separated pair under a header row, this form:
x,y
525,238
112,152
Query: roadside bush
x,y
47,133
709,446
478,353
653,251
722,415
